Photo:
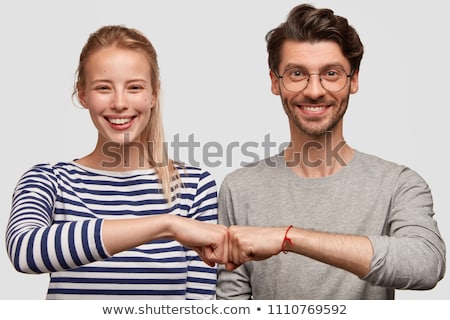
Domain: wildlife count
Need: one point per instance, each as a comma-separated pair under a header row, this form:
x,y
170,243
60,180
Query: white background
x,y
216,86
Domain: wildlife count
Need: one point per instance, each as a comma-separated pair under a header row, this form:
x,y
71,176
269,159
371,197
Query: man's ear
x,y
354,82
275,83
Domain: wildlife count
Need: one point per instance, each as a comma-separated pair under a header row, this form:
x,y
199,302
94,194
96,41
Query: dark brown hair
x,y
306,23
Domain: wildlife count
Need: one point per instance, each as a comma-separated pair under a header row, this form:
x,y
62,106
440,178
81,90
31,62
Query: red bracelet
x,y
286,238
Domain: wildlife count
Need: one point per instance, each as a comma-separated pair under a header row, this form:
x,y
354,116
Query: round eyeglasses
x,y
332,79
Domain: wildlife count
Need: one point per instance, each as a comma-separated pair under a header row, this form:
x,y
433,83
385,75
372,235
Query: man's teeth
x,y
120,121
314,109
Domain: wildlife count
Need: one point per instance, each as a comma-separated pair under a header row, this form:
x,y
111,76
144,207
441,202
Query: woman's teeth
x,y
120,121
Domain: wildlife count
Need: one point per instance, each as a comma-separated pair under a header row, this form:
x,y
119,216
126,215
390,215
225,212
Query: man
x,y
353,226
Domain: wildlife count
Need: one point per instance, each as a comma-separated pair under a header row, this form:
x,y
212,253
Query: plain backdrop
x,y
216,89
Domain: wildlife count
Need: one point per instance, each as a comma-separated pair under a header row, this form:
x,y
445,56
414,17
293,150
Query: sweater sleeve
x,y
412,253
231,285
35,244
201,278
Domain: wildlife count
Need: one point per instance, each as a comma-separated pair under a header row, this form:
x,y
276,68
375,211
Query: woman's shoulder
x,y
49,168
186,170
195,176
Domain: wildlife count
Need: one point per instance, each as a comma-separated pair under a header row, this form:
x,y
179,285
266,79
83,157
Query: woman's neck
x,y
112,156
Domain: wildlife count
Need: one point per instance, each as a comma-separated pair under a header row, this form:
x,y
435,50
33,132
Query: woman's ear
x,y
155,94
81,95
153,100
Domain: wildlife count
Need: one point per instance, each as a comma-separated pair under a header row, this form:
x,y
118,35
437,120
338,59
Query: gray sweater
x,y
389,203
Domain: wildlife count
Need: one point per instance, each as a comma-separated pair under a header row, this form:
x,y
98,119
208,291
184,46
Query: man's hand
x,y
253,243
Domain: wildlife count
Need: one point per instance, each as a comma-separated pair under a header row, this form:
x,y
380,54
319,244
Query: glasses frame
x,y
347,76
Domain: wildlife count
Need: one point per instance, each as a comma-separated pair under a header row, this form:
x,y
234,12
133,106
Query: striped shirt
x,y
55,227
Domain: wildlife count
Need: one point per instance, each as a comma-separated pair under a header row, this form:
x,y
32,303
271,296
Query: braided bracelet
x,y
286,238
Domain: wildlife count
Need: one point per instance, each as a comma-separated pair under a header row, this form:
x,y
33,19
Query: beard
x,y
314,127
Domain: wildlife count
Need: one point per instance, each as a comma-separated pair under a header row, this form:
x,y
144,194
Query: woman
x,y
123,221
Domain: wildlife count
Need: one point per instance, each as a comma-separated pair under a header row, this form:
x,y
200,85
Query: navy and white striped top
x,y
55,227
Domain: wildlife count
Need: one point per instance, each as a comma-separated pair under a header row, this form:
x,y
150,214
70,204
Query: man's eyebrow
x,y
293,66
325,67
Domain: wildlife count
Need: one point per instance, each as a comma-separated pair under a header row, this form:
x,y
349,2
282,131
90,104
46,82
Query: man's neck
x,y
317,157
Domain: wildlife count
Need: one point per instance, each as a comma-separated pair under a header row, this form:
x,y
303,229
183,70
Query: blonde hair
x,y
128,38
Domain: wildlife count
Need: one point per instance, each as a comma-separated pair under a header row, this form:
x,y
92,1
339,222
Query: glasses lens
x,y
333,79
295,80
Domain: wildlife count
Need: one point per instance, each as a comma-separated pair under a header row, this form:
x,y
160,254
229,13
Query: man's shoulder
x,y
380,168
375,163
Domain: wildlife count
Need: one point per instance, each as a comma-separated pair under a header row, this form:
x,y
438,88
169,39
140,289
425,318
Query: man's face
x,y
314,110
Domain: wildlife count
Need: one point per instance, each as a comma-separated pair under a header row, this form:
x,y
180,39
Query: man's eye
x,y
297,73
332,74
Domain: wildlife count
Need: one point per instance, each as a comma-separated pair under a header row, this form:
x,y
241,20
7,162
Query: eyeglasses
x,y
332,79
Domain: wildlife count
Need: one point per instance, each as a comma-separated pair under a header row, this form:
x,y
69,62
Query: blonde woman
x,y
123,222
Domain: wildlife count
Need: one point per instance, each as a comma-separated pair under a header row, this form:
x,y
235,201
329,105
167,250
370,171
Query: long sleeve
x,y
411,255
389,203
201,278
231,284
34,243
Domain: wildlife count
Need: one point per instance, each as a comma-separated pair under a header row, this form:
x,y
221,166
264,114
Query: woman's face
x,y
118,94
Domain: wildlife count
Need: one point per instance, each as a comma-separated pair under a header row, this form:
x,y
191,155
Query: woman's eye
x,y
102,88
135,87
